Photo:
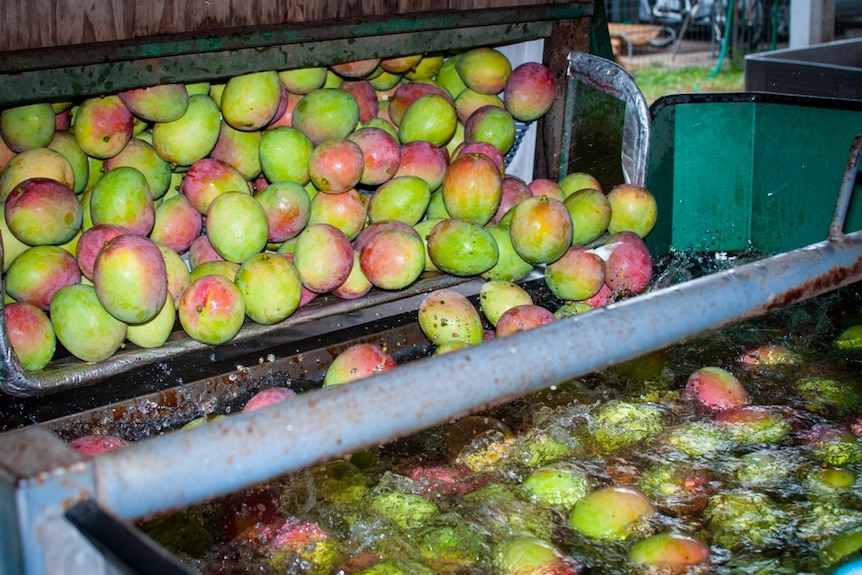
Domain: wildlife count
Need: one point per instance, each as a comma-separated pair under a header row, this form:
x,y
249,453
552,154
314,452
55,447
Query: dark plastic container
x,y
833,70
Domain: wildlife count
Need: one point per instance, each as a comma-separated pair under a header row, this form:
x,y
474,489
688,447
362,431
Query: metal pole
x,y
189,466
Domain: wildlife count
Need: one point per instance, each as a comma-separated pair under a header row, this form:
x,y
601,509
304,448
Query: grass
x,y
658,80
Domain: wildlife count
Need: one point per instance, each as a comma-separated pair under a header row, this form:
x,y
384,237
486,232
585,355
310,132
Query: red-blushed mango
x,y
493,125
715,388
393,259
303,80
358,361
510,266
96,443
357,283
601,299
324,257
633,209
366,98
30,334
271,287
472,188
374,227
431,118
140,155
249,101
122,197
39,272
346,211
38,163
356,68
283,103
307,294
240,149
578,275
479,147
130,278
335,165
425,160
522,318
202,251
284,114
103,126
461,247
267,397
591,214
27,127
546,187
82,324
159,103
237,226
287,208
484,69
670,552
284,155
497,296
42,211
447,315
325,114
177,223
541,229
400,64
190,138
529,92
211,309
207,179
91,242
381,154
404,199
514,191
62,121
155,332
628,264
408,93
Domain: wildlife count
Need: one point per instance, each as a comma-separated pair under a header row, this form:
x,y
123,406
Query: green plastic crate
x,y
748,170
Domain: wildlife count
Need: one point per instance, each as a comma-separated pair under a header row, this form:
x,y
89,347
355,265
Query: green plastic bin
x,y
749,171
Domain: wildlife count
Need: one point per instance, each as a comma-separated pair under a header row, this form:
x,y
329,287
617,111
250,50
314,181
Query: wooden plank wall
x,y
29,24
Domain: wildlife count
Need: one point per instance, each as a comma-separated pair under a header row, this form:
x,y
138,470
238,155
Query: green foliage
x,y
657,80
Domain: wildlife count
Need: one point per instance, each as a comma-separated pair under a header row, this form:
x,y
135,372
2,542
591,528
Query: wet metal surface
x,y
247,448
616,81
17,381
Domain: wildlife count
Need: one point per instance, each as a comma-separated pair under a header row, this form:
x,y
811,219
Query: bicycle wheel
x,y
750,21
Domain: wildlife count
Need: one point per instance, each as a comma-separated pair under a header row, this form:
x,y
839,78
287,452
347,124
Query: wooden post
x,y
811,22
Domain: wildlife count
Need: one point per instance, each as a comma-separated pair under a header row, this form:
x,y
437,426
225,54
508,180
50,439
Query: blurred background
x,y
677,46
